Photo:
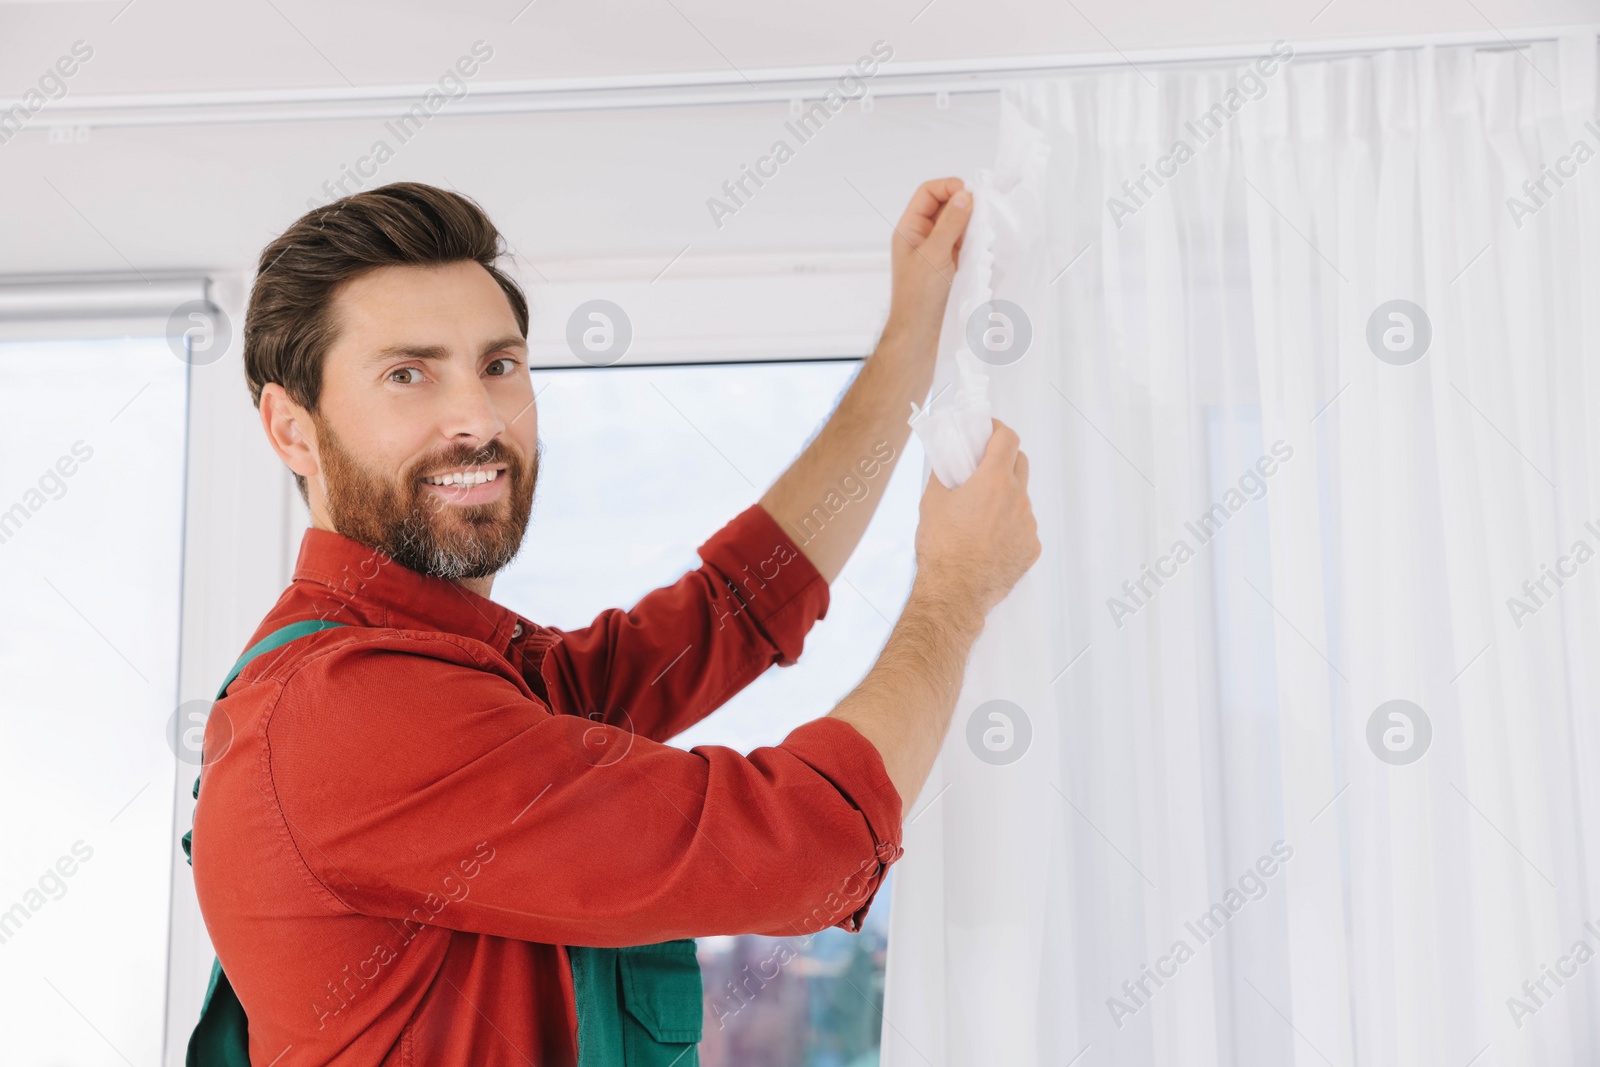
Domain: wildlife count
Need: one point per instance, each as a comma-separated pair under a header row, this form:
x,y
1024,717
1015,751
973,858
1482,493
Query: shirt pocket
x,y
662,1003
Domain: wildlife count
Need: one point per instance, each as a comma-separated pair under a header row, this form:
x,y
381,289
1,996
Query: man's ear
x,y
290,430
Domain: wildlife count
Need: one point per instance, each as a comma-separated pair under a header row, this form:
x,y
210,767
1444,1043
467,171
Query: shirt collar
x,y
374,590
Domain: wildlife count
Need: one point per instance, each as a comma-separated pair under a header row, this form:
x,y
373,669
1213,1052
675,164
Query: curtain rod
x,y
938,78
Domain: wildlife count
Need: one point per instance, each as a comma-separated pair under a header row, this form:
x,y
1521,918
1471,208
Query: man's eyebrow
x,y
426,352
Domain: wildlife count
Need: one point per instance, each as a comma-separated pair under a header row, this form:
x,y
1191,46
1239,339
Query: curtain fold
x,y
1311,758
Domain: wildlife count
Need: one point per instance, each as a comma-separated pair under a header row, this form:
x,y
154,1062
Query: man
x,y
430,831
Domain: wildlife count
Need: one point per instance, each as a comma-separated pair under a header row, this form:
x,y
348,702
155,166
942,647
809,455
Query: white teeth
x,y
464,478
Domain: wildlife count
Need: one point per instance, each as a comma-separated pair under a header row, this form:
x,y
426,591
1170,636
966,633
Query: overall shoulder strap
x,y
276,639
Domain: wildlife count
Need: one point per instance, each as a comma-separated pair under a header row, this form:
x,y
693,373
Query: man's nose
x,y
470,416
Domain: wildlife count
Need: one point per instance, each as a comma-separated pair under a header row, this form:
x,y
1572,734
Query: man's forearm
x,y
825,499
904,704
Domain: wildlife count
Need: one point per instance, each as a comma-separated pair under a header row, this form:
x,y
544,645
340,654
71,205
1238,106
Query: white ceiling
x,y
570,184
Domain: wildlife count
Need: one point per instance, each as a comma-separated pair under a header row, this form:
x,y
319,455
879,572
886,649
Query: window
x,y
91,524
640,465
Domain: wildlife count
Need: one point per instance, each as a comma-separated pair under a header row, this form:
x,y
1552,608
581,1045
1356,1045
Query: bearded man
x,y
433,832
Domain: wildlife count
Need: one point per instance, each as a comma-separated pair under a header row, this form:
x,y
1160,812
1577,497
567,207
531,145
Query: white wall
x,y
567,185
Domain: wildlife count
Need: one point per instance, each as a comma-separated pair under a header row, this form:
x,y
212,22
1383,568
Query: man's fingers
x,y
1001,451
949,228
1020,468
918,221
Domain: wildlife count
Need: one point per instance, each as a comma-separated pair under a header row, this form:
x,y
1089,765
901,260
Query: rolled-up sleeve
x,y
681,652
775,585
852,765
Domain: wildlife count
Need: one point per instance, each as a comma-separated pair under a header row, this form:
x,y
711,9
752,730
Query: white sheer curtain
x,y
1274,501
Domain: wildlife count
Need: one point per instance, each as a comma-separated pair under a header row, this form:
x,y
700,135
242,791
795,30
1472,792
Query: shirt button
x,y
516,631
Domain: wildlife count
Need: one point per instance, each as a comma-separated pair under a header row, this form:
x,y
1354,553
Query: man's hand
x,y
923,255
974,543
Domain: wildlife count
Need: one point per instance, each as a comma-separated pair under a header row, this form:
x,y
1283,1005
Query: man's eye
x,y
404,376
501,367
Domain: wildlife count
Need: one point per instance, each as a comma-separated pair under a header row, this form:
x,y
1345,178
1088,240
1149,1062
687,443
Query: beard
x,y
419,528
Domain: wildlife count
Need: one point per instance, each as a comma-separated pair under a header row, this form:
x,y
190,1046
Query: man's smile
x,y
478,484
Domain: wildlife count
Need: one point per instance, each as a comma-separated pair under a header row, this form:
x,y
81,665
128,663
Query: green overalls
x,y
637,1006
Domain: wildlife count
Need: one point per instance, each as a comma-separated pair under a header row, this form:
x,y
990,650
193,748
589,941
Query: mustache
x,y
490,452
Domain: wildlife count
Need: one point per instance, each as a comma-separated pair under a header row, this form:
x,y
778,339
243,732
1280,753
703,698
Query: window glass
x,y
91,524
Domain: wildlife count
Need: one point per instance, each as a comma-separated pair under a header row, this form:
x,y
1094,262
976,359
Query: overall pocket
x,y
638,1006
662,1004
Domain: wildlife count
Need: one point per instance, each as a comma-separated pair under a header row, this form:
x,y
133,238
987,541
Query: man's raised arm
x,y
815,500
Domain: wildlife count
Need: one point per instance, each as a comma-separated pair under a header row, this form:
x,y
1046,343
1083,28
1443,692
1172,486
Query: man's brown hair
x,y
288,327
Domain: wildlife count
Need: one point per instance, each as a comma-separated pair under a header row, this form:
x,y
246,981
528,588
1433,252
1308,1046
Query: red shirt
x,y
402,820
